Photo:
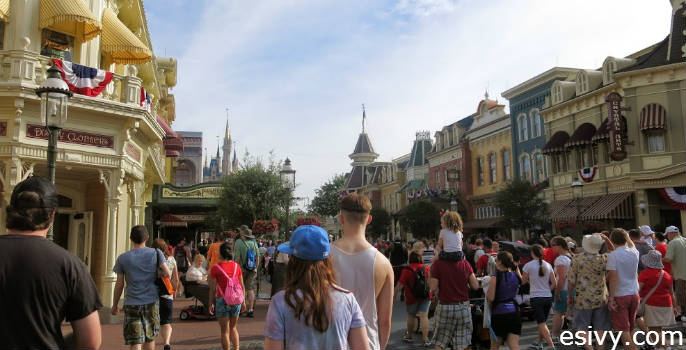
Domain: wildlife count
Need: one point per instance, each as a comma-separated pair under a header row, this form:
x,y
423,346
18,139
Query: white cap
x,y
645,230
671,229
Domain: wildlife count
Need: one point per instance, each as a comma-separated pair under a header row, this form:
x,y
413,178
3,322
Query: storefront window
x,y
656,142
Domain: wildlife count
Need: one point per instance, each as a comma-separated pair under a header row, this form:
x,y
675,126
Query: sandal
x,y
407,337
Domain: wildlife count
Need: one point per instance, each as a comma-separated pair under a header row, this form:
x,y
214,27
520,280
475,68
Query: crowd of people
x,y
340,295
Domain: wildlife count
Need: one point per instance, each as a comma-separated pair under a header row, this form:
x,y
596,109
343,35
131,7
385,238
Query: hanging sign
x,y
71,136
617,144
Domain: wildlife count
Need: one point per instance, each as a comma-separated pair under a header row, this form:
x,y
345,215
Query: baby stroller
x,y
201,293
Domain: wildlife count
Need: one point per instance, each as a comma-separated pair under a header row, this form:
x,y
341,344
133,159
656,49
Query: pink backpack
x,y
233,292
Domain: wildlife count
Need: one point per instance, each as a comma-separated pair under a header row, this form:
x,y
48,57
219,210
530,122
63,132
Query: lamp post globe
x,y
54,97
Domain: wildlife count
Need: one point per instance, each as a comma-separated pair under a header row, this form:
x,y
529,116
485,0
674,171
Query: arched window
x,y
523,123
492,167
539,168
537,127
506,165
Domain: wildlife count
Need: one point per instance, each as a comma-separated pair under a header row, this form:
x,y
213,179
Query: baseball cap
x,y
34,192
671,229
645,230
308,242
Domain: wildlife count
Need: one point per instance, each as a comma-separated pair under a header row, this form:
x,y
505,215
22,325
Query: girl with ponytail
x,y
541,278
506,321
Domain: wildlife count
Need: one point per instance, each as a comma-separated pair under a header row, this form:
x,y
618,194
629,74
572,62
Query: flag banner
x,y
587,174
83,80
410,195
146,101
676,196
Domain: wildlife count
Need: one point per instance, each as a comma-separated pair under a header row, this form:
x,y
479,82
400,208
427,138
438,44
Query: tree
x,y
421,218
253,192
325,202
521,205
381,222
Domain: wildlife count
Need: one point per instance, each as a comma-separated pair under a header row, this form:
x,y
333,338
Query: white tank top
x,y
355,272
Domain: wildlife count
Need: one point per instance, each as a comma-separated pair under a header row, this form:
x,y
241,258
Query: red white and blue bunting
x,y
83,80
587,174
146,101
410,194
676,196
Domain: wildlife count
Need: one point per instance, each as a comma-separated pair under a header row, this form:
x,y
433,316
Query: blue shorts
x,y
223,310
422,306
561,306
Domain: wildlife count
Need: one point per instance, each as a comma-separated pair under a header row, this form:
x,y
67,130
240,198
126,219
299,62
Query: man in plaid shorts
x,y
453,316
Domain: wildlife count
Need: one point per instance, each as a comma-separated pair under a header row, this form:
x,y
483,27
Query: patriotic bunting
x,y
410,194
83,80
587,174
146,101
676,196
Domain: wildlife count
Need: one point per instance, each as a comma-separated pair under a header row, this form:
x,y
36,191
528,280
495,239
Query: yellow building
x,y
619,132
490,144
111,150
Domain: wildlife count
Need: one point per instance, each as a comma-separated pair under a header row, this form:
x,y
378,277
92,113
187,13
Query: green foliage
x,y
521,205
381,222
325,202
254,192
421,218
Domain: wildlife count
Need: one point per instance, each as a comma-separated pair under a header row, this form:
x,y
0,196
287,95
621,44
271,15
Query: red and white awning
x,y
653,116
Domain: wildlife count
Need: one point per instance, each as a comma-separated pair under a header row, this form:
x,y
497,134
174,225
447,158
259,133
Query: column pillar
x,y
112,180
683,220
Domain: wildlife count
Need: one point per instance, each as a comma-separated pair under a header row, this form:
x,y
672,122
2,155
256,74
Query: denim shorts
x,y
223,310
422,306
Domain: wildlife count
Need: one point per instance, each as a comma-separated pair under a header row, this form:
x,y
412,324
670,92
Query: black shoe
x,y
249,314
167,347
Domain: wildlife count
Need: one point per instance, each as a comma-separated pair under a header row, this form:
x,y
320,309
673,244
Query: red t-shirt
x,y
662,248
407,280
549,255
229,267
453,280
482,263
661,296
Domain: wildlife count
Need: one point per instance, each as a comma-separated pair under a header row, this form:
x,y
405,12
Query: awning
x,y
4,10
556,143
653,116
575,208
169,220
167,129
603,132
69,16
482,223
555,207
120,43
611,206
582,135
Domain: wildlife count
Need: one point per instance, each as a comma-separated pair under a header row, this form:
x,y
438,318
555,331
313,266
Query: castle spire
x,y
364,118
205,157
227,132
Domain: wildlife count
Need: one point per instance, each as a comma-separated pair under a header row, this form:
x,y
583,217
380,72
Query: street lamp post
x,y
54,99
287,174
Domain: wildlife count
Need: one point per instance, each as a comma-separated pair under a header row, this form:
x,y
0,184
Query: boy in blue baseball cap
x,y
313,312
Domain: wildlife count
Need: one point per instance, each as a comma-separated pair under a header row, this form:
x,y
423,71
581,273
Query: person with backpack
x,y
414,279
226,295
182,255
248,257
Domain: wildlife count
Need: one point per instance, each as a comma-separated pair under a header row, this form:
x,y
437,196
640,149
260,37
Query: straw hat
x,y
592,243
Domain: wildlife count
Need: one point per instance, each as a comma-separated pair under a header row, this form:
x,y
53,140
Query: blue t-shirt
x,y
281,323
139,268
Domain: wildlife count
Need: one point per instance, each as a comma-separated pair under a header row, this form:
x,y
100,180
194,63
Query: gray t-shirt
x,y
643,249
281,323
139,268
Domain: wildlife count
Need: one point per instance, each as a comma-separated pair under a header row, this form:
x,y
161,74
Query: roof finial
x,y
205,157
227,133
486,94
364,117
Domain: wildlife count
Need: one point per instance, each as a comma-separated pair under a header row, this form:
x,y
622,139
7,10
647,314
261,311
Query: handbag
x,y
164,284
642,306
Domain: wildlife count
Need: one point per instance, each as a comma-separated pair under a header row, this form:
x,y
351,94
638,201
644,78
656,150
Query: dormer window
x,y
557,94
609,72
581,83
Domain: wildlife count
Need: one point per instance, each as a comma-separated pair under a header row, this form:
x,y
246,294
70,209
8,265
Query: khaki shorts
x,y
680,294
250,279
141,323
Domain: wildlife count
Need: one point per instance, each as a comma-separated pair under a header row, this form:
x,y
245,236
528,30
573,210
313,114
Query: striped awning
x,y
557,206
582,135
69,16
120,43
574,208
4,10
653,116
556,143
613,206
169,220
603,132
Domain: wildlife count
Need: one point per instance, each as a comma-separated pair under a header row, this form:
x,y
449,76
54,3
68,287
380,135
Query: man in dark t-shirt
x,y
41,284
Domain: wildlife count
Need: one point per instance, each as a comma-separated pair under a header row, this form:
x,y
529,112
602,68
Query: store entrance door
x,y
81,236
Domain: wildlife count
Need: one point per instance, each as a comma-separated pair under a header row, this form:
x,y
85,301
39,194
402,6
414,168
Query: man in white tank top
x,y
358,265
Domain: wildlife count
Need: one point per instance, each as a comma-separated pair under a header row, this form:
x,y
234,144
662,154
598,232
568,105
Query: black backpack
x,y
420,288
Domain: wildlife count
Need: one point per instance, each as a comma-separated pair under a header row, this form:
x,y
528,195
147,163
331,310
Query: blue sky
x,y
294,73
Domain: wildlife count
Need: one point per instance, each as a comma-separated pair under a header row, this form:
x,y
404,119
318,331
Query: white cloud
x,y
294,73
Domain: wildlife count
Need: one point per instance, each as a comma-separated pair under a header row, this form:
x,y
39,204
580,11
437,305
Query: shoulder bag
x,y
642,306
164,285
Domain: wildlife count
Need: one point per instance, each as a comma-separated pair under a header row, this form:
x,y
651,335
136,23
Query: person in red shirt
x,y
659,311
661,247
549,254
415,307
482,263
227,315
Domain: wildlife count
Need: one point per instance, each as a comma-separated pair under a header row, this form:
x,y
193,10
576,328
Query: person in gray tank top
x,y
357,265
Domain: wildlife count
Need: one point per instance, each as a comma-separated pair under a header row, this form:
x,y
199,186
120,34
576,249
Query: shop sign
x,y
191,217
198,193
71,136
617,144
133,152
